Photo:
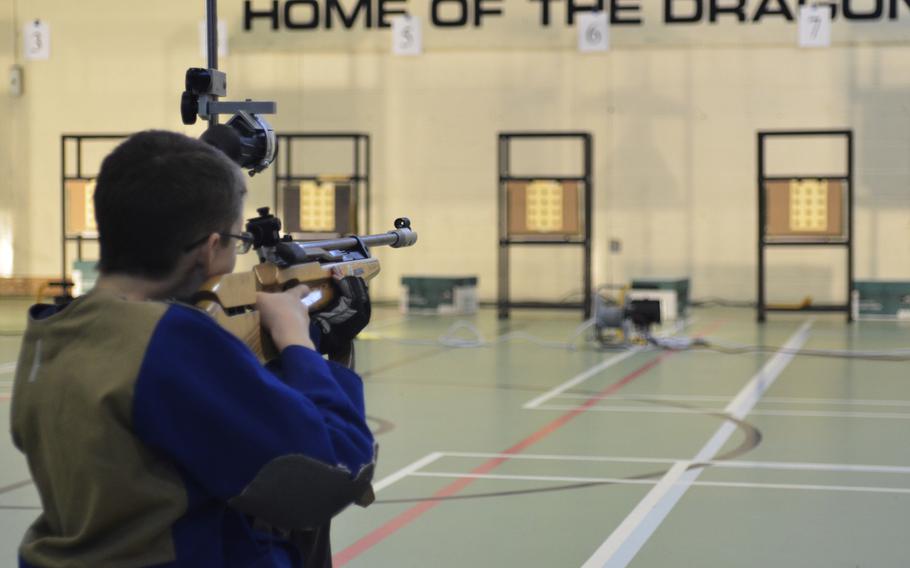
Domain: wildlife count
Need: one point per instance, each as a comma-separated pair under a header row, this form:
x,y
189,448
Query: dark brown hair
x,y
156,193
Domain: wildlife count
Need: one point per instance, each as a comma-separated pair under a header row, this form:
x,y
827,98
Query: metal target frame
x,y
765,240
71,145
358,175
586,178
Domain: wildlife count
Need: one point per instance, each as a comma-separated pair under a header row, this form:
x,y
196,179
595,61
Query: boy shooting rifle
x,y
154,436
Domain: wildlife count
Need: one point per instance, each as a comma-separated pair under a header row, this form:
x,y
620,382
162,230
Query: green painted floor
x,y
523,453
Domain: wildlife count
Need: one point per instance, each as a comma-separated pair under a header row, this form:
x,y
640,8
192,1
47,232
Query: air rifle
x,y
285,263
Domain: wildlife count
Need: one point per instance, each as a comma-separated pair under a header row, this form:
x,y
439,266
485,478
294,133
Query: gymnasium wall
x,y
673,109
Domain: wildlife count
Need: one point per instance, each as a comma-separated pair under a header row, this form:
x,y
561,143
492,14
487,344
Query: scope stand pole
x,y
211,21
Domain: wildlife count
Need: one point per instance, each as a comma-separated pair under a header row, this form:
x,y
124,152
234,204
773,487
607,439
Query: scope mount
x,y
253,143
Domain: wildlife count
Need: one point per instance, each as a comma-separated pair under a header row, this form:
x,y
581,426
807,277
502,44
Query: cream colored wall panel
x,y
888,70
12,197
889,243
806,156
886,236
100,77
549,274
793,274
540,158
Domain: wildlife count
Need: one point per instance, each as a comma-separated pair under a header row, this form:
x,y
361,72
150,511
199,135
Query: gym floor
x,y
521,452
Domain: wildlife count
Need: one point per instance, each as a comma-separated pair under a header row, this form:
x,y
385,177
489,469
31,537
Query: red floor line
x,y
405,518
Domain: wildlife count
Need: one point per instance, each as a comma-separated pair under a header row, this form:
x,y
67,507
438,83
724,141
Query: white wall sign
x,y
222,39
407,38
37,37
593,32
815,26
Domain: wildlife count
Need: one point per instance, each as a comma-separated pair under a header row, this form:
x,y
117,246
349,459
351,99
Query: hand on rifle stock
x,y
285,317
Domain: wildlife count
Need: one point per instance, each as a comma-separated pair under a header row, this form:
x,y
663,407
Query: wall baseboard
x,y
27,287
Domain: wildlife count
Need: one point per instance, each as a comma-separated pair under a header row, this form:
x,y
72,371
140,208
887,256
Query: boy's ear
x,y
205,254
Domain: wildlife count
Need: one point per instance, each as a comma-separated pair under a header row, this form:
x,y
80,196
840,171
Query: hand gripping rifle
x,y
285,263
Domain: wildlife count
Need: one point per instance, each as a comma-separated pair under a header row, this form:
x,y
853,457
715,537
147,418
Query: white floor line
x,y
624,543
634,409
551,478
555,457
701,411
834,414
581,377
737,464
627,481
805,487
810,466
836,401
655,397
584,376
8,367
406,471
770,399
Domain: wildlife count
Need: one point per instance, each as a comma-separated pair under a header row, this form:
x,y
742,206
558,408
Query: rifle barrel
x,y
395,239
305,251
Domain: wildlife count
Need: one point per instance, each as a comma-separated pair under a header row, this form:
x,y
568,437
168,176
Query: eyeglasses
x,y
244,241
243,246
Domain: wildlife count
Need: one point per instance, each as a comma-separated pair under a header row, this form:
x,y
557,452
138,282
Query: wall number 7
x,y
816,22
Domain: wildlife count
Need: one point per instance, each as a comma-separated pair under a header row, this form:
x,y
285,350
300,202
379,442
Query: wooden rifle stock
x,y
231,299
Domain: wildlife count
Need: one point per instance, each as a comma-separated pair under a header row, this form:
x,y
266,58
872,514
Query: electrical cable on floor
x,y
688,343
465,335
452,339
721,302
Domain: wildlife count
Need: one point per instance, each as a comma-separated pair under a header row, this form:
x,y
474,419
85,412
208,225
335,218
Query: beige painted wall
x,y
674,123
